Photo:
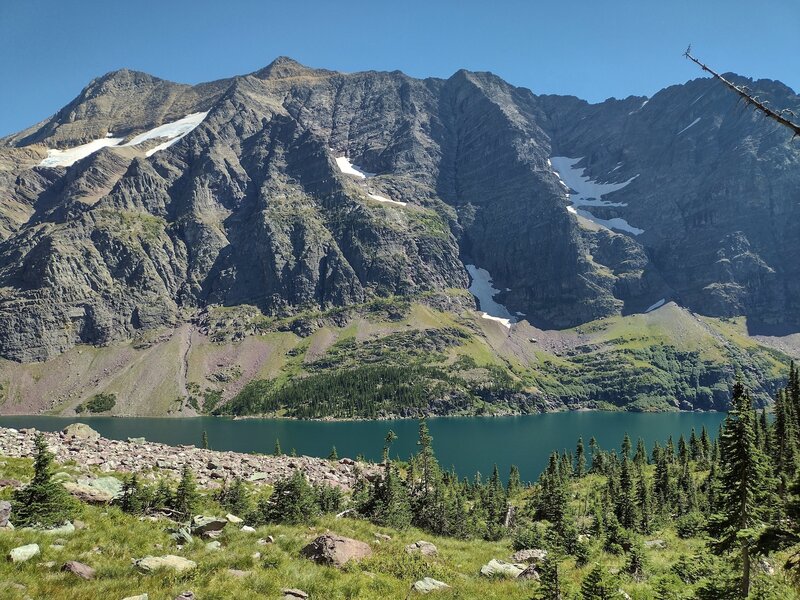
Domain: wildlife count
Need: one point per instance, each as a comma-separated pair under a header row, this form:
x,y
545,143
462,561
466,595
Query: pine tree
x,y
744,486
162,498
645,502
277,451
514,481
333,455
636,565
626,507
186,495
597,585
549,580
204,440
292,501
626,446
640,458
130,500
43,502
580,459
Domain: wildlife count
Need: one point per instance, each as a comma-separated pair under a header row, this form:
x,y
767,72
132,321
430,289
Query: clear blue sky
x,y
50,49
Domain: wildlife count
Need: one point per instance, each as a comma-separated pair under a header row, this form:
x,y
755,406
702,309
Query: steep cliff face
x,y
295,189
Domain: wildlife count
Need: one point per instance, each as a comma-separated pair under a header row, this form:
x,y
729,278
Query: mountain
x,y
288,223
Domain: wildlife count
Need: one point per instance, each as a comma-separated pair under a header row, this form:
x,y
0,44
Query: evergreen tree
x,y
626,507
640,458
580,459
43,502
645,502
204,440
744,490
131,500
277,451
234,497
514,481
597,585
186,495
292,501
162,498
626,446
333,455
549,580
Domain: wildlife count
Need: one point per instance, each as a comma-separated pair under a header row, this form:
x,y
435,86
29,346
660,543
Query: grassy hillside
x,y
434,355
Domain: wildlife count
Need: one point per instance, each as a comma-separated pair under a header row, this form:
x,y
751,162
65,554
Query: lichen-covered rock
x,y
23,553
80,431
428,585
167,562
501,568
422,547
79,569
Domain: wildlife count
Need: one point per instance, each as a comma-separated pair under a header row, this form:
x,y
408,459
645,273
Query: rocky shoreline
x,y
82,445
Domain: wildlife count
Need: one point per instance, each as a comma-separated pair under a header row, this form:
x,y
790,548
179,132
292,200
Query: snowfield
x,y
387,200
172,131
66,158
348,168
658,304
586,192
481,287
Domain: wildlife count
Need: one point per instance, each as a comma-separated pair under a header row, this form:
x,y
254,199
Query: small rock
x,y
185,596
293,594
213,546
81,570
428,584
530,573
64,529
233,519
238,573
139,597
182,535
657,544
255,555
501,568
383,537
137,441
168,561
532,555
5,512
248,529
56,547
423,547
23,553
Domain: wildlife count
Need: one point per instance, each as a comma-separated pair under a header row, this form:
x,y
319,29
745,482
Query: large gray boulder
x,y
95,490
80,431
335,550
501,568
167,562
532,555
428,585
23,553
204,525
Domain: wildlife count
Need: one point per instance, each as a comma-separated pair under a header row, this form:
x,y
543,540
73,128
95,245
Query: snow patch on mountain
x,y
585,191
387,200
348,168
68,157
173,131
692,124
481,287
656,305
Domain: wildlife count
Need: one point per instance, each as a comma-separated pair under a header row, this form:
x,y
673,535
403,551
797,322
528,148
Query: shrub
x,y
98,403
690,524
292,501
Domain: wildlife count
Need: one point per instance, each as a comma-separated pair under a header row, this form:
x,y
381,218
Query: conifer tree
x,y
130,500
626,446
277,451
597,585
186,495
43,502
640,458
550,587
626,506
333,455
204,440
744,486
645,502
514,481
580,459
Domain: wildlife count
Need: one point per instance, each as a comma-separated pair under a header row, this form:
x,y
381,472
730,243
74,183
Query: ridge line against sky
x,y
50,49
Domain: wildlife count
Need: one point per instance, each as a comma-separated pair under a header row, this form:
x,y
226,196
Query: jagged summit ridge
x,y
251,204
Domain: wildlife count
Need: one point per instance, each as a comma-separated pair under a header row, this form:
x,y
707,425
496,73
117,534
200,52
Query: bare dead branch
x,y
748,98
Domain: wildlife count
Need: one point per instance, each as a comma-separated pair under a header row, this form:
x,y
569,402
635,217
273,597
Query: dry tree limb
x,y
748,98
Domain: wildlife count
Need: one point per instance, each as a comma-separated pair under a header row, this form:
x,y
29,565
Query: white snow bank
x,y
695,122
481,287
65,158
387,200
348,168
172,131
658,304
587,192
